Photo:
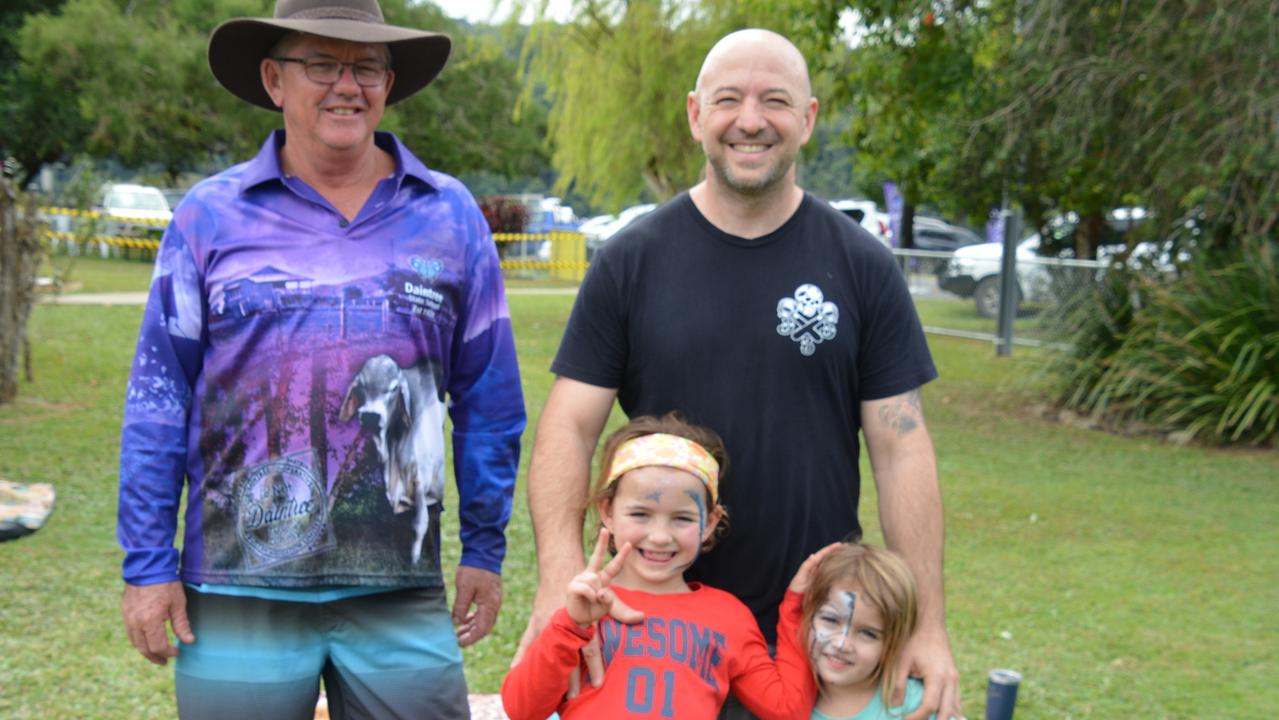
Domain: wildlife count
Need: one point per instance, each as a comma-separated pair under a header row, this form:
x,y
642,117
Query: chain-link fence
x,y
958,293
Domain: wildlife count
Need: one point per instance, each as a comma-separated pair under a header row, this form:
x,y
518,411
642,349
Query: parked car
x,y
935,234
592,225
973,271
866,213
548,215
133,209
589,227
600,234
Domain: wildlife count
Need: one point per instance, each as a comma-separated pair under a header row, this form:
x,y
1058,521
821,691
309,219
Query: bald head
x,y
752,111
750,48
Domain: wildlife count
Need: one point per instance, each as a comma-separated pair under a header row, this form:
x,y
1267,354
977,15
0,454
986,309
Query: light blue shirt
x,y
875,710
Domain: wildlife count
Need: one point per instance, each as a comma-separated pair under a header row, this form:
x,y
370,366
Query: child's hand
x,y
589,597
804,576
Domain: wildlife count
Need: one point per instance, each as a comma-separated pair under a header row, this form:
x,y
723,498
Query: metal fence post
x,y
1008,289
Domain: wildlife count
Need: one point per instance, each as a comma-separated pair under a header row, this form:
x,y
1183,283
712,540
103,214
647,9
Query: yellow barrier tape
x,y
92,214
519,237
152,244
542,265
111,240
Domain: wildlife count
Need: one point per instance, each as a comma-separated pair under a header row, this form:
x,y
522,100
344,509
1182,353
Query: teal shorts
x,y
388,655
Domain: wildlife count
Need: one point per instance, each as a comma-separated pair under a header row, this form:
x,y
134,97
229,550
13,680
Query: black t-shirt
x,y
773,342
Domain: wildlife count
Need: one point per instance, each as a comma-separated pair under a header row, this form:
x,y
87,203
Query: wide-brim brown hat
x,y
237,47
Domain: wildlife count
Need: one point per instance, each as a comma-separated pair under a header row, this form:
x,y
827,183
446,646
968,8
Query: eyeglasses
x,y
368,73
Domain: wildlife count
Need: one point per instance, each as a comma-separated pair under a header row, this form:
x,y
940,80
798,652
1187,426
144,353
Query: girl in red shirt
x,y
658,501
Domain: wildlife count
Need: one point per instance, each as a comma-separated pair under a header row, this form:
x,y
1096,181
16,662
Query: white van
x,y
124,200
866,213
134,209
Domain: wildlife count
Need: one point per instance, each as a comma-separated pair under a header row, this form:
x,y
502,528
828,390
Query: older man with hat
x,y
314,313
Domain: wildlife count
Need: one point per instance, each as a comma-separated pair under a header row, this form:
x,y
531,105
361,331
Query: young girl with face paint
x,y
859,610
658,501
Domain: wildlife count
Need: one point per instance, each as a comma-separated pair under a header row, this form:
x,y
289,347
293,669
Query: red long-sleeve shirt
x,y
680,662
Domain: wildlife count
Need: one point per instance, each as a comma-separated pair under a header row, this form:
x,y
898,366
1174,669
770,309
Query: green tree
x,y
1172,104
463,123
129,81
829,166
1066,106
916,77
616,77
37,119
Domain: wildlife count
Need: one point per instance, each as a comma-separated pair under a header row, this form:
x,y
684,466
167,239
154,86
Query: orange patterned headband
x,y
667,451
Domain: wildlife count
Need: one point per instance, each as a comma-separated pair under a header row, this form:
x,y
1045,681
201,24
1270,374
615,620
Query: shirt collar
x,y
265,166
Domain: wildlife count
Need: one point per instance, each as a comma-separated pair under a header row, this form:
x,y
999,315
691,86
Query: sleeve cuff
x,y
481,561
149,567
154,579
562,621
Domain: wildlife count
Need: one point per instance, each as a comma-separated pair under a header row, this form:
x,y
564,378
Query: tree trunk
x,y
907,227
660,184
20,249
1088,235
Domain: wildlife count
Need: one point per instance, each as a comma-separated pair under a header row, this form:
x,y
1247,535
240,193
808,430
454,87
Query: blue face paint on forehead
x,y
850,601
696,496
701,510
832,622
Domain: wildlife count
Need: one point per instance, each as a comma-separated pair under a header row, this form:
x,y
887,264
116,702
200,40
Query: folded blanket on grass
x,y
23,508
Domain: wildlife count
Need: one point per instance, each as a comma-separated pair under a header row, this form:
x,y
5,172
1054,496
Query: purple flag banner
x,y
894,201
995,227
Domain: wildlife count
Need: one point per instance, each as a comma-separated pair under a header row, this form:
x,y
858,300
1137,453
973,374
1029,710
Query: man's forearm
x,y
910,508
150,492
559,476
559,481
558,486
910,511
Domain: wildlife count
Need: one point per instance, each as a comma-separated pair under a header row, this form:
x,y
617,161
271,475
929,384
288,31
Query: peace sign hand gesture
x,y
589,596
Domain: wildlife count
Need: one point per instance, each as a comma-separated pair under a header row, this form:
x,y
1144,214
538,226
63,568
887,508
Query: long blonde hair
x,y
885,581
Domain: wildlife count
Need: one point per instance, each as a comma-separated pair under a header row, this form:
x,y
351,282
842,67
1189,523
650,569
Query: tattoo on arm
x,y
903,413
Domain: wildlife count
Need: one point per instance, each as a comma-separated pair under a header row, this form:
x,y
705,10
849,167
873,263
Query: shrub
x,y
1199,354
1090,325
504,215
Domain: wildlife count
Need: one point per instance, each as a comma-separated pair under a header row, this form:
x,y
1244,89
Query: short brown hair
x,y
672,423
884,579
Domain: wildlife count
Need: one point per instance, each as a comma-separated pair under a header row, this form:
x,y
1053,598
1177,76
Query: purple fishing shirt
x,y
294,370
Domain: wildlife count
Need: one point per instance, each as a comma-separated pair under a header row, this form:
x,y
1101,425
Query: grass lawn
x,y
92,274
954,313
1122,577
